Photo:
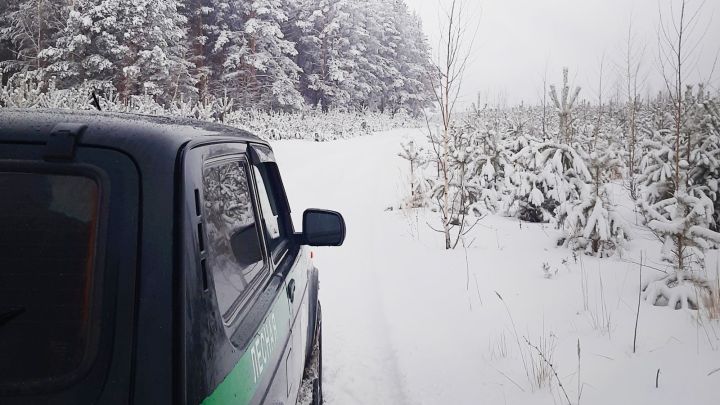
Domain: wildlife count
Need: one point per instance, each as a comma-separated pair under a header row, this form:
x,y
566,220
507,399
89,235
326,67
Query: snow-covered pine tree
x,y
371,64
657,171
546,175
513,178
682,216
564,105
387,39
402,59
350,54
414,154
679,179
28,27
410,90
20,91
484,184
202,32
271,56
467,188
489,159
135,47
258,64
591,222
543,175
703,150
682,222
325,52
7,47
711,125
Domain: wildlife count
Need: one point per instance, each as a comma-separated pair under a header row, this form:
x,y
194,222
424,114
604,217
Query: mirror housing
x,y
323,228
246,245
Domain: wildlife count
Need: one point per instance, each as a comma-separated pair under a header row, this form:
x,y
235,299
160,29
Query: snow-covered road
x,y
352,177
405,322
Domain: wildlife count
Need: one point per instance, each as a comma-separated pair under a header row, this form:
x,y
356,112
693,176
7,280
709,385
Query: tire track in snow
x,y
352,177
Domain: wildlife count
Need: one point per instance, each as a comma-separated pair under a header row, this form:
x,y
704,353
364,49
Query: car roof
x,y
113,129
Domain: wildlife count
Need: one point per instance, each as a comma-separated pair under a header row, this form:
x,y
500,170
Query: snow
x,y
406,322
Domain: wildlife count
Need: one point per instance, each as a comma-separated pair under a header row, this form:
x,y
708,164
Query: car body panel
x,y
242,383
166,349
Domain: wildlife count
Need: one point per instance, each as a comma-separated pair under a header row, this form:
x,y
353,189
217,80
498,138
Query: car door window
x,y
273,226
235,249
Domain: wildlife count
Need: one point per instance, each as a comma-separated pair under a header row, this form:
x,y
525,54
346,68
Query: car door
x,y
289,259
236,326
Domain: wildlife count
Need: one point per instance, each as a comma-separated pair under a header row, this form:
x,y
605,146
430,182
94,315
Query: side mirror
x,y
246,245
323,228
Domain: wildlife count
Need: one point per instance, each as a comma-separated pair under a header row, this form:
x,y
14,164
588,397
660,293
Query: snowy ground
x,y
406,322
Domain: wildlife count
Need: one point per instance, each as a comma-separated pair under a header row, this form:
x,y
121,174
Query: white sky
x,y
517,39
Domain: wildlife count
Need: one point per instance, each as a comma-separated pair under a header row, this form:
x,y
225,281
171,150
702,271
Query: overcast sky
x,y
518,39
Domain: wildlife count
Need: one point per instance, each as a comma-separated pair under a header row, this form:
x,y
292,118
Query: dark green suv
x,y
152,260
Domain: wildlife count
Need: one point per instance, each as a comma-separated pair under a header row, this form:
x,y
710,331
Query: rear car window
x,y
48,224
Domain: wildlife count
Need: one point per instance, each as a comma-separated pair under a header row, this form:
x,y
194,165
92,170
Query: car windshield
x,y
47,244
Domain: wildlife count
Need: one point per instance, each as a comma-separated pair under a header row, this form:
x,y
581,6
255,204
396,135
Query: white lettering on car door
x,y
263,345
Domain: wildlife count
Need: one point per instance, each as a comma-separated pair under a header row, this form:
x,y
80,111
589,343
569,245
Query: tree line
x,y
266,54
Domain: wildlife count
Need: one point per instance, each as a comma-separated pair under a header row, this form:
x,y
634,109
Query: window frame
x,y
244,301
262,157
283,247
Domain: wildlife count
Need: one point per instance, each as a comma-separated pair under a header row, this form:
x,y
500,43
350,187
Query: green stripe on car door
x,y
240,385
